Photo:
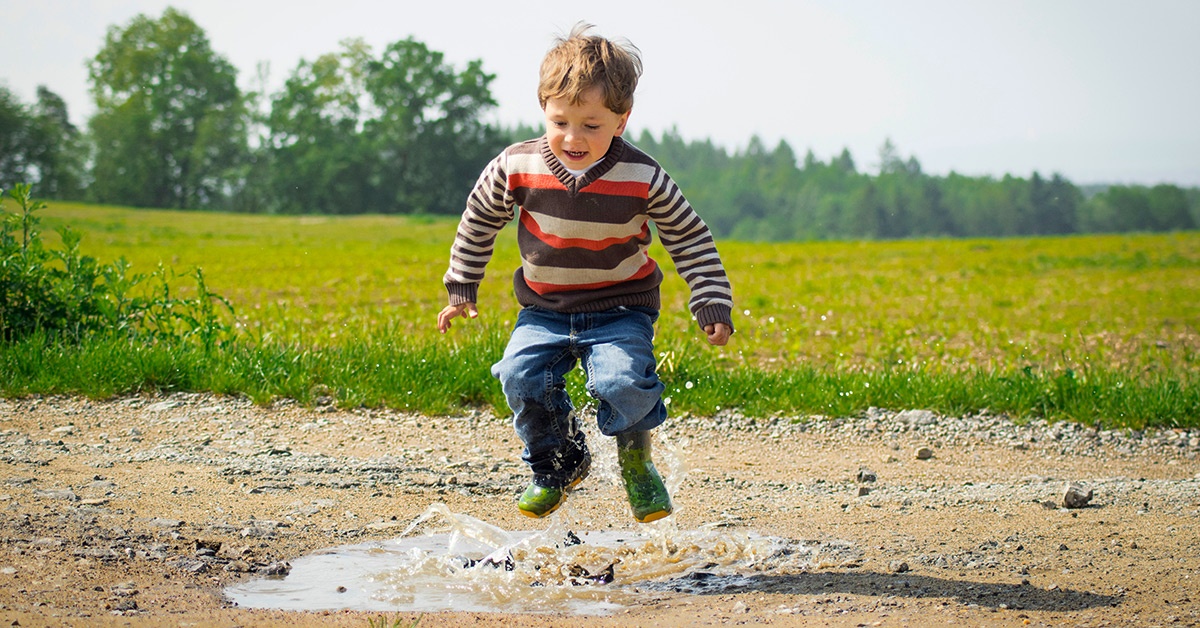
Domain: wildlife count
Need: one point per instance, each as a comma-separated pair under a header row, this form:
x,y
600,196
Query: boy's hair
x,y
581,61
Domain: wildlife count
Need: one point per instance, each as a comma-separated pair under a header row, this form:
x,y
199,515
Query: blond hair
x,y
580,62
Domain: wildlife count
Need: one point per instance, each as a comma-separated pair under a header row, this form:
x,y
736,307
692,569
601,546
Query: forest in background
x,y
401,131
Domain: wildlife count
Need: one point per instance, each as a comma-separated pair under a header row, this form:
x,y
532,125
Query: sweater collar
x,y
576,184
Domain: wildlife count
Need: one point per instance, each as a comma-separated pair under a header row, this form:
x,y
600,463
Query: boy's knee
x,y
524,385
520,384
622,384
512,370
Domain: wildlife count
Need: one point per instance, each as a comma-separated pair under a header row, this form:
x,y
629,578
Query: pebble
x,y
1076,495
58,493
279,568
917,417
924,453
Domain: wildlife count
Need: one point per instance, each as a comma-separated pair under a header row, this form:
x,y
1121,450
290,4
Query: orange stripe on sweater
x,y
636,189
531,180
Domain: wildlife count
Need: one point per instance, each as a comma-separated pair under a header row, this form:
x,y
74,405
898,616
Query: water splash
x,y
460,563
452,561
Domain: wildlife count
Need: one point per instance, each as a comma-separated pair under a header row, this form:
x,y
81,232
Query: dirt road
x,y
141,511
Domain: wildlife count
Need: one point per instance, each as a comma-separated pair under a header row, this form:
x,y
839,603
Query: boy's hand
x,y
450,312
718,334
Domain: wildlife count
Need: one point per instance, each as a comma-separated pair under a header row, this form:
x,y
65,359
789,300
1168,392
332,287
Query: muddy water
x,y
452,561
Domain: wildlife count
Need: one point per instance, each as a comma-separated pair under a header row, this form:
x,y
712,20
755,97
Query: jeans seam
x,y
591,390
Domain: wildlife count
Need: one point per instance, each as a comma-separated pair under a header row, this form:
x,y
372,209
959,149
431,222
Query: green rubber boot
x,y
648,497
538,501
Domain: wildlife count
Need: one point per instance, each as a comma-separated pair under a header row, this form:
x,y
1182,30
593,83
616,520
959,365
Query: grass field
x,y
931,322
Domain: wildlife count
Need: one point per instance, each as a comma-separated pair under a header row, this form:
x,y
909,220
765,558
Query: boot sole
x,y
654,516
534,515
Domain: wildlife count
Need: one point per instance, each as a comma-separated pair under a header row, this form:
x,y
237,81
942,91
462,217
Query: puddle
x,y
452,561
579,565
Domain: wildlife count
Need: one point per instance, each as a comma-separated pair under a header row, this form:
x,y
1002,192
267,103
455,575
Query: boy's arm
x,y
489,208
687,239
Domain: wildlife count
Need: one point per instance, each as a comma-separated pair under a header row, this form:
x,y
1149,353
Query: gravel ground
x,y
141,511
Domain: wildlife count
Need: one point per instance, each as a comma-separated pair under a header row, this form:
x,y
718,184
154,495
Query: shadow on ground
x,y
986,594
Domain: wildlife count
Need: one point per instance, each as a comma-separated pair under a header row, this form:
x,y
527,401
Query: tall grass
x,y
1099,329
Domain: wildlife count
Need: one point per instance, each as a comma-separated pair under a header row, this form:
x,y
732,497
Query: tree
x,y
169,116
401,133
429,138
318,158
1193,200
890,161
16,139
844,162
62,154
1037,204
40,146
1169,209
249,180
1061,211
1118,209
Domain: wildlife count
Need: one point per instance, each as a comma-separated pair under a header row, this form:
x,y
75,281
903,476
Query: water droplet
x,y
688,385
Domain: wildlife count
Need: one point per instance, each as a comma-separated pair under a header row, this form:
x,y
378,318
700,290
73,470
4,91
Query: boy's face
x,y
580,134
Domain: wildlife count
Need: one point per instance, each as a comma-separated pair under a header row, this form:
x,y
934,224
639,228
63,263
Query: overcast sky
x,y
1097,90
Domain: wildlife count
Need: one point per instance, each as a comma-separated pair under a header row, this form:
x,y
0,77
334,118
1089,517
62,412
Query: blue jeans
x,y
616,348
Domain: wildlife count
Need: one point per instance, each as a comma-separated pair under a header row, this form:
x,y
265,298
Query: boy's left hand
x,y
718,334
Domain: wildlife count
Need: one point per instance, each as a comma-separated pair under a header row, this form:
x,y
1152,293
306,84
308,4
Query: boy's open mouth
x,y
575,154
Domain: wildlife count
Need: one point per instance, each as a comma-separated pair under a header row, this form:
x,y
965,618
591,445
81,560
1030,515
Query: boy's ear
x,y
624,121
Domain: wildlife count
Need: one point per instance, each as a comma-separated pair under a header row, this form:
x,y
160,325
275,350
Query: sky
x,y
1099,91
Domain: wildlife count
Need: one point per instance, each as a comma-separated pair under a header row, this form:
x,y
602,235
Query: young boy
x,y
589,290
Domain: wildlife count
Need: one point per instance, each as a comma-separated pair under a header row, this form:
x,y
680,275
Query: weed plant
x,y
59,295
1099,329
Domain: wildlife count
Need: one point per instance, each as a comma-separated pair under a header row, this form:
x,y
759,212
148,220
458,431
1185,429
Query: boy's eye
x,y
559,124
592,127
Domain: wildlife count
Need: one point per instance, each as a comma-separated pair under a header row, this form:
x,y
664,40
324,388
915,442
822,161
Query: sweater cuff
x,y
462,292
712,314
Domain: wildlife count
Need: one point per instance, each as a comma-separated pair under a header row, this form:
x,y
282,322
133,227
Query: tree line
x,y
403,131
769,194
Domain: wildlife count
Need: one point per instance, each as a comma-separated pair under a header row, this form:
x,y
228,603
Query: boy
x,y
589,289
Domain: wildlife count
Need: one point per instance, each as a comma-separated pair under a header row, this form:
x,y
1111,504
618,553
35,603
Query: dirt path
x,y
140,511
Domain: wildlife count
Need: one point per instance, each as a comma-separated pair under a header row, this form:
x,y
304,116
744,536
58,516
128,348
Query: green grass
x,y
1095,329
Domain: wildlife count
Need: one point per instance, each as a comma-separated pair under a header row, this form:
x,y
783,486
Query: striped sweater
x,y
584,241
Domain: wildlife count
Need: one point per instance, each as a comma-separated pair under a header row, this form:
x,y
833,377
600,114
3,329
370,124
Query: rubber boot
x,y
538,501
648,497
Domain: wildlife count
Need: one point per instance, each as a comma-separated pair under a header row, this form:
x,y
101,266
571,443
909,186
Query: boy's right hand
x,y
450,312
